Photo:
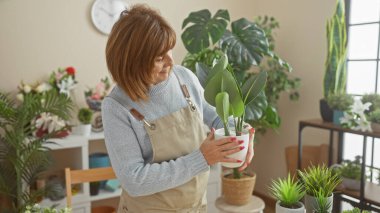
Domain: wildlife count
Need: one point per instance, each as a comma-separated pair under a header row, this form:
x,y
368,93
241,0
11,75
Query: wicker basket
x,y
238,191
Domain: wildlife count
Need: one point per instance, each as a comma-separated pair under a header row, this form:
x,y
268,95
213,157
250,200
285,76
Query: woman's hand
x,y
216,151
250,152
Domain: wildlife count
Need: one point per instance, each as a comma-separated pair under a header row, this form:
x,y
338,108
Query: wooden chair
x,y
311,155
87,175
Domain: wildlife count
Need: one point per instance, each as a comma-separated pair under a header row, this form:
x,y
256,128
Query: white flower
x,y
363,125
43,121
346,118
20,97
27,88
66,85
359,108
43,87
55,124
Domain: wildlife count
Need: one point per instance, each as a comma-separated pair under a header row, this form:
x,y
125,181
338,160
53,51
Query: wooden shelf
x,y
71,141
372,193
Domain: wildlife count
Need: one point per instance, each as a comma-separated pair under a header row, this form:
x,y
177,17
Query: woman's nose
x,y
169,58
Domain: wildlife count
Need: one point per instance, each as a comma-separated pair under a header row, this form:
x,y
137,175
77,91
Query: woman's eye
x,y
160,59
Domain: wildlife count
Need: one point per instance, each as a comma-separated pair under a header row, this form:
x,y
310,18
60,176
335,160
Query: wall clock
x,y
104,13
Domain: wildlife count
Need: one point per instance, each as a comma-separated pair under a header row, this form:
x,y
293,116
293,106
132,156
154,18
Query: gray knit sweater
x,y
129,146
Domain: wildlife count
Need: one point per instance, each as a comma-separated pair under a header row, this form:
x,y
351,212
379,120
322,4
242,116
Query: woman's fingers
x,y
232,151
230,160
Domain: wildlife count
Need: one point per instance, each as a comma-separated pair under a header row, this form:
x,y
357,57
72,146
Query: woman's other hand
x,y
250,151
215,151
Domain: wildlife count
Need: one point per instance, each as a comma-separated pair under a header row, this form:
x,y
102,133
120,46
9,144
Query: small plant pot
x,y
94,188
311,203
84,129
298,208
337,116
219,133
325,110
375,127
238,191
351,184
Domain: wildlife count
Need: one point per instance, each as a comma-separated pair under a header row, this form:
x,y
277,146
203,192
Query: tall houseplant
x,y
23,156
335,78
207,38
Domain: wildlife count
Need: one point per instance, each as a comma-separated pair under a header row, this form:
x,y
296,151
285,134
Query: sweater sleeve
x,y
136,176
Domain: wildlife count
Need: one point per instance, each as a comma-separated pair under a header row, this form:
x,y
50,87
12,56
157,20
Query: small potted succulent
x,y
84,117
374,118
288,193
339,103
356,210
318,179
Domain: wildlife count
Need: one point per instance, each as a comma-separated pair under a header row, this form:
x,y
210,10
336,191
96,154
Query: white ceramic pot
x,y
311,203
84,129
351,184
281,209
219,133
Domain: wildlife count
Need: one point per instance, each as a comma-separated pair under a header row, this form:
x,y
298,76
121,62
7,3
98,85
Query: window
x,y
363,19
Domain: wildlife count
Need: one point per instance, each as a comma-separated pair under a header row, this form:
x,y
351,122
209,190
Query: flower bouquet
x,y
63,80
94,96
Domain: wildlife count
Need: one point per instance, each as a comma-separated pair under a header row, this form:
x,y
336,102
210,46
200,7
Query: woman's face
x,y
162,67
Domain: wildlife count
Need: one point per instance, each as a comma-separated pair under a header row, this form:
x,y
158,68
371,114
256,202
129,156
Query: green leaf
x,y
222,106
204,31
245,45
253,86
255,110
202,71
220,66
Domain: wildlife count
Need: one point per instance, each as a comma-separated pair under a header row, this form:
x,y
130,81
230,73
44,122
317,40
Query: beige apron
x,y
172,136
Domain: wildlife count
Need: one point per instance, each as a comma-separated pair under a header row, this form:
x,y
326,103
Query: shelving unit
x,y
369,195
78,148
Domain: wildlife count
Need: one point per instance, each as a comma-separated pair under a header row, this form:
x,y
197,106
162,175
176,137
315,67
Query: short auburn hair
x,y
137,38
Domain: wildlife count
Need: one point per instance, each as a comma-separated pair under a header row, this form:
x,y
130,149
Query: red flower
x,y
70,70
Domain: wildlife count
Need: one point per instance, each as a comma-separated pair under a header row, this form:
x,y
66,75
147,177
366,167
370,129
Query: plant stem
x,y
226,129
237,174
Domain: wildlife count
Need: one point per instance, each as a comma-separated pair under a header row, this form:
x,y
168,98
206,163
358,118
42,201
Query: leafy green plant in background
x,y
319,179
355,210
288,191
23,156
85,115
374,116
341,102
245,44
374,99
279,79
351,169
323,204
36,208
335,78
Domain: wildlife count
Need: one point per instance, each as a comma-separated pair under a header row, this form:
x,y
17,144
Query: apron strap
x,y
186,94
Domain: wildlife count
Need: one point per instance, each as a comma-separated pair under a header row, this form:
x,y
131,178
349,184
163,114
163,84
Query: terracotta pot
x,y
238,191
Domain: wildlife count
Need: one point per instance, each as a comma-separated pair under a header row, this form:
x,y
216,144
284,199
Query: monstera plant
x,y
207,39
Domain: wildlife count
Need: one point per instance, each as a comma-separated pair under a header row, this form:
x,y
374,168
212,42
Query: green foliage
x,y
351,169
22,156
287,191
206,56
340,102
336,71
85,115
374,99
37,209
319,179
355,210
374,116
323,204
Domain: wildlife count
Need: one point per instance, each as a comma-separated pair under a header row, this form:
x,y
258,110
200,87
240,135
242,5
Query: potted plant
x,y
288,194
84,117
36,208
23,155
350,171
374,118
318,179
339,103
335,78
230,99
323,204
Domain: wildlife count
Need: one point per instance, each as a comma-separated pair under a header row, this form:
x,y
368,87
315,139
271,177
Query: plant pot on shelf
x,y
83,129
325,110
311,203
351,184
94,188
219,133
238,191
298,208
337,116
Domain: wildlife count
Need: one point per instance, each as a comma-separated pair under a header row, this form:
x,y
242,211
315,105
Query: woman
x,y
154,120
